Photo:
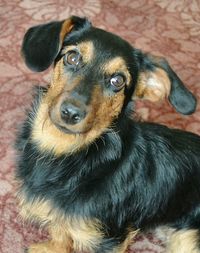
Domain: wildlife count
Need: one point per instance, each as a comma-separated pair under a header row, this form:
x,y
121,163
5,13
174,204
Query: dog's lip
x,y
64,129
69,131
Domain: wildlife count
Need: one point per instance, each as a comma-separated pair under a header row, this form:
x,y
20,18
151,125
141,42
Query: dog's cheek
x,y
58,82
106,109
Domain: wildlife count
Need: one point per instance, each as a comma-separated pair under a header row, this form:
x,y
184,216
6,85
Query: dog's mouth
x,y
66,130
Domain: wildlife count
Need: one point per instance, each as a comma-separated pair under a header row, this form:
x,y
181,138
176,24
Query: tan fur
x,y
184,241
66,28
53,246
81,234
37,210
153,86
117,65
86,50
47,136
163,233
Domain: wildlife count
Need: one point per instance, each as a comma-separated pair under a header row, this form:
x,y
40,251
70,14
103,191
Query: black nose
x,y
71,114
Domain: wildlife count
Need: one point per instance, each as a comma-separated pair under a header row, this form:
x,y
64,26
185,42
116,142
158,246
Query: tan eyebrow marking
x,y
117,65
85,48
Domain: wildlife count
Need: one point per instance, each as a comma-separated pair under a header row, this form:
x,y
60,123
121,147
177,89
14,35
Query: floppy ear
x,y
157,81
42,43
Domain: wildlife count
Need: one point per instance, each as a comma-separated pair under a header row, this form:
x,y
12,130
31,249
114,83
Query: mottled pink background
x,y
170,28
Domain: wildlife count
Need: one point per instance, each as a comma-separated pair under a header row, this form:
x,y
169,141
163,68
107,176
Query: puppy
x,y
87,170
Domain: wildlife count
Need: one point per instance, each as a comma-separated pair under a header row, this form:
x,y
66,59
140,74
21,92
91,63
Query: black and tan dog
x,y
87,170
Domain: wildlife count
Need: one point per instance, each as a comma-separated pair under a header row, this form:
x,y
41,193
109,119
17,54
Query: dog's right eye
x,y
72,58
117,82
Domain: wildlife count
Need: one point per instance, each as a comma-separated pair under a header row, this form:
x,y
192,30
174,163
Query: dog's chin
x,y
69,131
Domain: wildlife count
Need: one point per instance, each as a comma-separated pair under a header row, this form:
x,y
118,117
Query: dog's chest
x,y
70,189
68,186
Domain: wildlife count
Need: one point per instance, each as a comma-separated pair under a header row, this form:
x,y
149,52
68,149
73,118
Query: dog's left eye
x,y
72,58
117,81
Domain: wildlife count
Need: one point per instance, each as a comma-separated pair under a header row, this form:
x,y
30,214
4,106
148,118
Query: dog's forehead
x,y
104,44
107,41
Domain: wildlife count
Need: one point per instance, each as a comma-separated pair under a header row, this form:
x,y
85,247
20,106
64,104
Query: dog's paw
x,y
46,247
40,248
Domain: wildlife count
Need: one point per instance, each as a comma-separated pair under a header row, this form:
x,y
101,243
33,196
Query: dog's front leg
x,y
184,241
113,245
60,242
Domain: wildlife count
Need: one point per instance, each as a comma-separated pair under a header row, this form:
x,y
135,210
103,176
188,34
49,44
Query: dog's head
x,y
96,74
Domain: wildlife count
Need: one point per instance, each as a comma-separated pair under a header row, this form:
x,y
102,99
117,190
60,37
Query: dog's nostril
x,y
76,117
65,112
71,114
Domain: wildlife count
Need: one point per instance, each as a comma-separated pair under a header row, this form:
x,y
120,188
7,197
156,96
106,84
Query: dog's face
x,y
91,77
95,75
92,74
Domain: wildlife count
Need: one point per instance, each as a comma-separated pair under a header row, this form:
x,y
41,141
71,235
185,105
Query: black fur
x,y
44,42
137,174
141,174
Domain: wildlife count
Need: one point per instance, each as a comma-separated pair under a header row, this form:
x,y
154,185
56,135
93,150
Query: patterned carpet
x,y
170,28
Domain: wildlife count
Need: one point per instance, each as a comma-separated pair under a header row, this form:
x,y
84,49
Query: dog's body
x,y
87,170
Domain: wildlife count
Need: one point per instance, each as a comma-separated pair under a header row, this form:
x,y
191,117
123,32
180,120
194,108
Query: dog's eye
x,y
72,58
117,81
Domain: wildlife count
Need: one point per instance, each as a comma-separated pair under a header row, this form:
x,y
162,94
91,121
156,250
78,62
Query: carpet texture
x,y
169,28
